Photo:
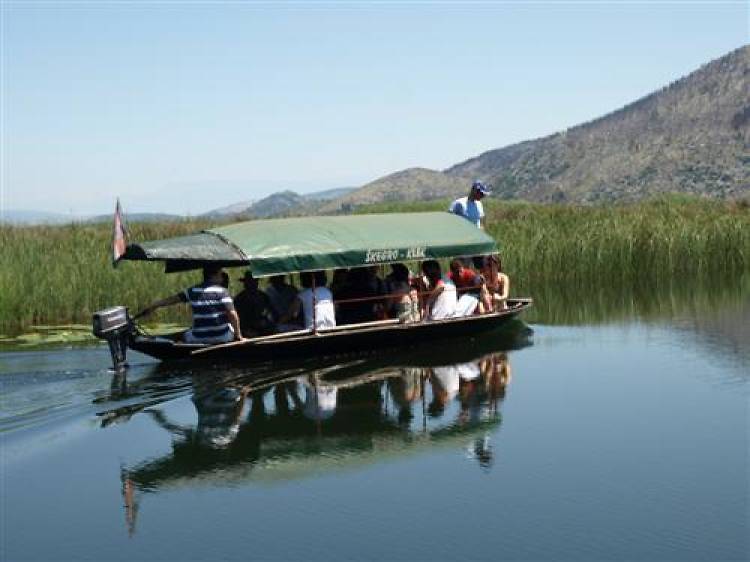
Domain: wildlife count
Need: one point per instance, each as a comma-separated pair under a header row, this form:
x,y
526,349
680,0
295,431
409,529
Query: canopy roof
x,y
279,246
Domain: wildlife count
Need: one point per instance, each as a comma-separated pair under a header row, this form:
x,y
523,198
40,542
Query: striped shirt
x,y
210,304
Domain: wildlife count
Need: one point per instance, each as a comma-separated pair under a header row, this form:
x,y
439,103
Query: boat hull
x,y
342,340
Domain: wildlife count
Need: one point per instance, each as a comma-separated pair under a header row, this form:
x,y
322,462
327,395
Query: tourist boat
x,y
294,245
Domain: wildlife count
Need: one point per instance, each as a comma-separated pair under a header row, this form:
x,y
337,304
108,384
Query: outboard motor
x,y
114,325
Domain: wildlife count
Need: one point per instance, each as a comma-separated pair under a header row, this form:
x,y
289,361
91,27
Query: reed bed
x,y
658,241
53,275
61,274
663,240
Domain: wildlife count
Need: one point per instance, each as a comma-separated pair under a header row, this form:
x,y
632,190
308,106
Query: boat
x,y
305,244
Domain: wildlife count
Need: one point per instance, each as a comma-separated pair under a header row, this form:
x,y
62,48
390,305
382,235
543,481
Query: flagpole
x,y
119,235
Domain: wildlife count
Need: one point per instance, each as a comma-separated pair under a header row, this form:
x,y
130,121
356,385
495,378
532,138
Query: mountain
x,y
282,203
278,204
413,184
328,194
691,137
229,210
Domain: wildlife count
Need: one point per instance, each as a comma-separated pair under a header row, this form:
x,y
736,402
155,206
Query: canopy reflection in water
x,y
302,425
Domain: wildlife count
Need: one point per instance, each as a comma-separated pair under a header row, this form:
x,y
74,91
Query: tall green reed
x,y
61,274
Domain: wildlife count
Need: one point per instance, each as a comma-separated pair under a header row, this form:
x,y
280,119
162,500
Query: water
x,y
625,439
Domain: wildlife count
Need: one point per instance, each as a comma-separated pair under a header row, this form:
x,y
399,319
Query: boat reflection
x,y
316,422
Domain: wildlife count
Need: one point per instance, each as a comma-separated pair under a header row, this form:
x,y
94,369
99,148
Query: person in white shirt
x,y
470,207
325,315
441,301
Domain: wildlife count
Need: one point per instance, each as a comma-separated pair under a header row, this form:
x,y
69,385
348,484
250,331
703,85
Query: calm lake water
x,y
617,436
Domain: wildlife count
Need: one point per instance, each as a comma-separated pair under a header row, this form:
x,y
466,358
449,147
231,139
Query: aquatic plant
x,y
61,274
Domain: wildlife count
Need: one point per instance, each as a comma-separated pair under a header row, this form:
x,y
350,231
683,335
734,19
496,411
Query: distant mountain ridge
x,y
233,209
691,136
282,203
413,184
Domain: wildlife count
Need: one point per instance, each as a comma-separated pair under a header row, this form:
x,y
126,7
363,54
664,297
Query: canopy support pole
x,y
314,302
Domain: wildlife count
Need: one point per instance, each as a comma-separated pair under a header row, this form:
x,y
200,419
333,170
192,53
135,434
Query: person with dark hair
x,y
403,301
340,277
398,273
360,289
470,286
441,299
214,318
497,283
254,308
470,207
318,299
281,294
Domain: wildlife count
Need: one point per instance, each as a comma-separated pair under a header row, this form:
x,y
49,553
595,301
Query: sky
x,y
183,107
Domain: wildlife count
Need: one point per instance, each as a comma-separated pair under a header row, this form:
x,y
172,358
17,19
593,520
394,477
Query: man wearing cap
x,y
253,307
470,207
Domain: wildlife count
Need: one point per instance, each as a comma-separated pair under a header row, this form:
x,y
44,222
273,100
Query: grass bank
x,y
60,275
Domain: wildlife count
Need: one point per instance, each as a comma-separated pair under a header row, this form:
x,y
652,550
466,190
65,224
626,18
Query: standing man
x,y
470,207
214,318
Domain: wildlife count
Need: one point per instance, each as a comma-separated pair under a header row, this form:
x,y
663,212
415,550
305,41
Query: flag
x,y
119,235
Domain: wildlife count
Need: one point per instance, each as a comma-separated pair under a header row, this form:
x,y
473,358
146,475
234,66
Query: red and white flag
x,y
119,235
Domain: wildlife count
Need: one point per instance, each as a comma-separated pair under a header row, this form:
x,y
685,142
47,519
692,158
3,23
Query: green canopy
x,y
278,246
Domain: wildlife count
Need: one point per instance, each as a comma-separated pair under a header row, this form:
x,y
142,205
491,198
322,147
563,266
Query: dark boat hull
x,y
343,340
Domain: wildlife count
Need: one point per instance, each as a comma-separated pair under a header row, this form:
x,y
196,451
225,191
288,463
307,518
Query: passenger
x,y
416,290
214,318
469,285
254,308
325,317
338,283
403,301
441,302
281,294
397,273
496,282
377,286
362,291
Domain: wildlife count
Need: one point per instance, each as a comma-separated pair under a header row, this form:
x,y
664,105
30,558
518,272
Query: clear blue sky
x,y
184,107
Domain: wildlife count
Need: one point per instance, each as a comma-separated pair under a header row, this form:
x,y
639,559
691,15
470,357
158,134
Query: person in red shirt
x,y
470,287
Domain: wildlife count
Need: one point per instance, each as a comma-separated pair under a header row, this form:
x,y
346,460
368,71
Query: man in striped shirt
x,y
214,318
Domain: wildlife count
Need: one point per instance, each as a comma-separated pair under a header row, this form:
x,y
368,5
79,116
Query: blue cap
x,y
479,186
